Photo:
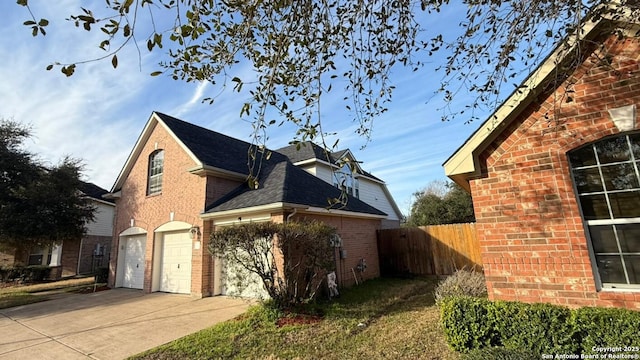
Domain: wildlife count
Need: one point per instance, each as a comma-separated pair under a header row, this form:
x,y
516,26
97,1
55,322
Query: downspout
x,y
79,256
295,210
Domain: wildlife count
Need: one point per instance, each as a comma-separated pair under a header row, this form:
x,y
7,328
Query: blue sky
x,y
98,113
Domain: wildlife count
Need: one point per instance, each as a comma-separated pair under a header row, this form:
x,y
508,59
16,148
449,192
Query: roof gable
x,y
463,164
202,145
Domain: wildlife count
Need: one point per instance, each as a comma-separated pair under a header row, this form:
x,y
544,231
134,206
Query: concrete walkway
x,y
111,324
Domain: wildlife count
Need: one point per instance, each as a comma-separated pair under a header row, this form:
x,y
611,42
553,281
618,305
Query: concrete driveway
x,y
111,324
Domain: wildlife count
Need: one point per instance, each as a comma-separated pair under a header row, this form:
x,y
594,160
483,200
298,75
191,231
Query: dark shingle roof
x,y
211,148
309,150
306,151
281,181
94,191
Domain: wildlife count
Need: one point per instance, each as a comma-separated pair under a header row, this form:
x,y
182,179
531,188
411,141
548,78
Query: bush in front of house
x,y
600,328
462,283
25,274
476,323
291,259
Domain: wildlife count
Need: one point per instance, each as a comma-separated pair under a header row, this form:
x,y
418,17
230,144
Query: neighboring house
x,y
556,181
341,167
182,181
75,256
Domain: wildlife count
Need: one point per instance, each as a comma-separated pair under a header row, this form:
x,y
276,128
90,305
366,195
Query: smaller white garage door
x,y
175,267
237,281
133,276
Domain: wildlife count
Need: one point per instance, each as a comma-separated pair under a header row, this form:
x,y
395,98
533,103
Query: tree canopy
x,y
300,50
38,205
441,203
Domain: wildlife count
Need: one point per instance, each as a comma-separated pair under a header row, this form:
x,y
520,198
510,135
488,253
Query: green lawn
x,y
380,319
28,294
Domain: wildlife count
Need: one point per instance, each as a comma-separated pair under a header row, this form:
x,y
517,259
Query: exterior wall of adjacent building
x,y
534,243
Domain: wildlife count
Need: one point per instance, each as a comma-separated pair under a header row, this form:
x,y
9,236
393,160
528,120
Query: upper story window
x,y
607,180
156,166
345,179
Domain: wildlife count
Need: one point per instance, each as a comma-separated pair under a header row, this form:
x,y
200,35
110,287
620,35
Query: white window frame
x,y
155,172
612,221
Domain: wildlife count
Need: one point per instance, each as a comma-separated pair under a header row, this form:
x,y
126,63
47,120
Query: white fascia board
x,y
251,210
101,201
325,211
142,140
210,170
463,164
308,162
113,195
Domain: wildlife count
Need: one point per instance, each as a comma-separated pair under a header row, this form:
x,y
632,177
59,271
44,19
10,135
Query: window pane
x,y
610,269
619,177
588,180
633,268
613,150
594,207
603,239
625,204
635,145
629,237
582,157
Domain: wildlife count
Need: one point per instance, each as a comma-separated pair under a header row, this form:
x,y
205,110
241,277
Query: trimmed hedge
x,y
34,273
500,353
475,323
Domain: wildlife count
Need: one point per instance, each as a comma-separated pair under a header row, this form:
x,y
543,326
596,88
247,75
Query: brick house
x,y
74,256
182,181
554,175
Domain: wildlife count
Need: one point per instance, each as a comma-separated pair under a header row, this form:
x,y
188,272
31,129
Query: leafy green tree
x,y
38,205
291,259
432,208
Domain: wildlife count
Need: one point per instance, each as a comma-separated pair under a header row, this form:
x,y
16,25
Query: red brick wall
x,y
359,241
183,194
87,259
531,234
69,258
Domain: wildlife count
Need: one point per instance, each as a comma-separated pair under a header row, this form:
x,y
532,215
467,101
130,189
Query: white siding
x,y
370,192
373,194
102,225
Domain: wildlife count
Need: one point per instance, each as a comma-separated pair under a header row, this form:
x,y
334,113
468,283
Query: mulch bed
x,y
298,319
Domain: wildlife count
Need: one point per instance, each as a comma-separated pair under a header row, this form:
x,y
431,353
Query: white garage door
x,y
237,281
175,267
133,276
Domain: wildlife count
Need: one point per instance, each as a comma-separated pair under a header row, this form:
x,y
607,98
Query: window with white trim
x,y
156,166
345,179
606,176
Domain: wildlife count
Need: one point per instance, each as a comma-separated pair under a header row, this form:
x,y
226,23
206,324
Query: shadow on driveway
x,y
111,324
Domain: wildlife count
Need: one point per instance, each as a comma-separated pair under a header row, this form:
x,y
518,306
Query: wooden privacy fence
x,y
428,250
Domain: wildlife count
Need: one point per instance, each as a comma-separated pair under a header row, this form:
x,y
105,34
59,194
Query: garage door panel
x,y
238,281
134,262
175,273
